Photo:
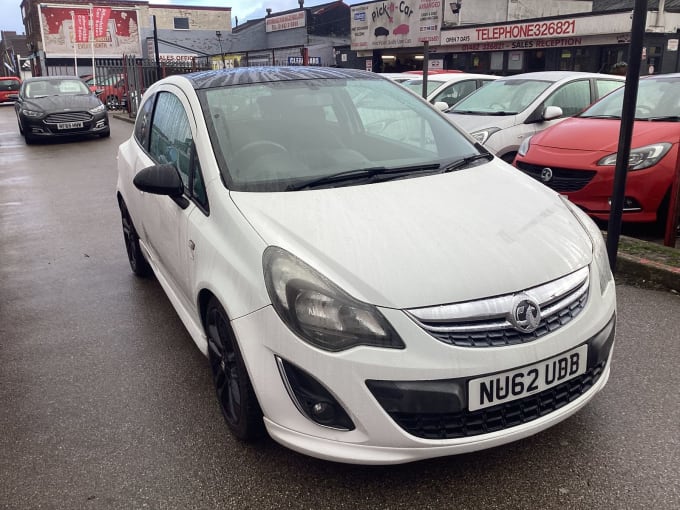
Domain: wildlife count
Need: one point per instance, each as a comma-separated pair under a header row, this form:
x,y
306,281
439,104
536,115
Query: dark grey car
x,y
50,106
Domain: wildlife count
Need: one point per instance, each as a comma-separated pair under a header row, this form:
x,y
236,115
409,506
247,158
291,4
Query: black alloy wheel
x,y
138,263
235,394
112,102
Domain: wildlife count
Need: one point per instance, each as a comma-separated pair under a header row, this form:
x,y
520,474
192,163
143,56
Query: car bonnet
x,y
460,236
602,135
471,123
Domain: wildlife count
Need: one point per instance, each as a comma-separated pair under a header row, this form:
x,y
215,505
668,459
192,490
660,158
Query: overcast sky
x,y
245,9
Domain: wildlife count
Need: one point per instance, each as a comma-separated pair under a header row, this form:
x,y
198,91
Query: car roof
x,y
247,75
453,77
555,76
51,78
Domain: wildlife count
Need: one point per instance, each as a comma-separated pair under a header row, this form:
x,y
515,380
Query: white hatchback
x,y
513,108
370,296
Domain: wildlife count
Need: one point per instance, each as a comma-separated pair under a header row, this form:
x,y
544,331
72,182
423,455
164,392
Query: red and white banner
x,y
81,22
69,29
101,17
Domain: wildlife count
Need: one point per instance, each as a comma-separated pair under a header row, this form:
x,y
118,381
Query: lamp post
x,y
218,34
155,47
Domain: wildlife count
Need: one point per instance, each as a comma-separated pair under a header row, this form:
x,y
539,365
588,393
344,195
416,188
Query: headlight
x,y
524,146
32,113
600,256
320,312
483,135
642,157
98,109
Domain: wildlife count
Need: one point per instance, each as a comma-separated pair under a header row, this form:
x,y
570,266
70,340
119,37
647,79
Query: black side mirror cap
x,y
160,180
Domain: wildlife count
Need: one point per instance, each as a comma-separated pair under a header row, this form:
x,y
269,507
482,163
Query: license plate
x,y
69,125
522,382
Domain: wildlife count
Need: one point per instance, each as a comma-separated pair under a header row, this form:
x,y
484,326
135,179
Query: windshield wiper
x,y
617,117
670,118
468,161
475,112
362,174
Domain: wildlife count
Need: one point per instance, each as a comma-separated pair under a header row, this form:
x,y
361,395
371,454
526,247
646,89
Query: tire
x,y
509,157
30,139
138,263
112,102
235,393
105,134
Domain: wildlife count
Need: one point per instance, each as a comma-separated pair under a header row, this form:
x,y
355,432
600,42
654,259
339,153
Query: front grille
x,y
563,179
500,417
485,323
57,118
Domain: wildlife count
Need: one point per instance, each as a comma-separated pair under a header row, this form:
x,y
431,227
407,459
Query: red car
x,y
9,88
577,157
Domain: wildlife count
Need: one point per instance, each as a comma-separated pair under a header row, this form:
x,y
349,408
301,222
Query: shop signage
x,y
550,29
537,44
285,21
80,31
395,24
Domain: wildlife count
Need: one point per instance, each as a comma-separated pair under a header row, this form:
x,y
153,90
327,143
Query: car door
x,y
168,220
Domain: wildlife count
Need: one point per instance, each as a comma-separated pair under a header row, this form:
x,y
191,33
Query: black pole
x,y
155,48
626,131
426,64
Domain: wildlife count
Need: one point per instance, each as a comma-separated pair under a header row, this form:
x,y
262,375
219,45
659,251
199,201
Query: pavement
x,y
633,268
643,270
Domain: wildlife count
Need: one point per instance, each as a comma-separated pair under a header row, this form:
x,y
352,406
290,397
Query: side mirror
x,y
160,180
552,112
441,105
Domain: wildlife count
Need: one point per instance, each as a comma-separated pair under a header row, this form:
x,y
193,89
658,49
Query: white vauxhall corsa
x,y
368,288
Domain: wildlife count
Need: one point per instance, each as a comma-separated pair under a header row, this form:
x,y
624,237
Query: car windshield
x,y
280,135
65,87
417,85
502,96
657,99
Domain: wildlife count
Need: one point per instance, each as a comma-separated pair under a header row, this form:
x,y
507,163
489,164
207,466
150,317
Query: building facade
x,y
509,37
73,36
303,36
13,52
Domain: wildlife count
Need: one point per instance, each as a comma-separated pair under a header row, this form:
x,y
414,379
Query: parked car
x,y
50,106
353,293
577,157
9,88
444,89
398,77
508,110
112,90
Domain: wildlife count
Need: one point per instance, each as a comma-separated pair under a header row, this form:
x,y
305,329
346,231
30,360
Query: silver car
x,y
506,111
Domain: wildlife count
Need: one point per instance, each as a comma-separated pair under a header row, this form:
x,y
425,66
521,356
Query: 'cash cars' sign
x,y
396,24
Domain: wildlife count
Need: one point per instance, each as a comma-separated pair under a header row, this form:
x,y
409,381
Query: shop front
x,y
590,42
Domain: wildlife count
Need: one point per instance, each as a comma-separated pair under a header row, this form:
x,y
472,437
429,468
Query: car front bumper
x,y
46,127
379,435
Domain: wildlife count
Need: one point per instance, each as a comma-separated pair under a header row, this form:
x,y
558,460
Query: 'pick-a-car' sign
x,y
395,24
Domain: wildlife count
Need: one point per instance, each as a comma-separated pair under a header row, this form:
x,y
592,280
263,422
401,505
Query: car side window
x,y
143,122
171,141
604,87
170,137
455,92
572,97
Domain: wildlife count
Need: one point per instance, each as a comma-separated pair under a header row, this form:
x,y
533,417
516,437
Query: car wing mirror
x,y
552,112
160,180
442,105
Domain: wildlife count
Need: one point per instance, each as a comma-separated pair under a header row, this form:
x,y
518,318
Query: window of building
x,y
181,23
